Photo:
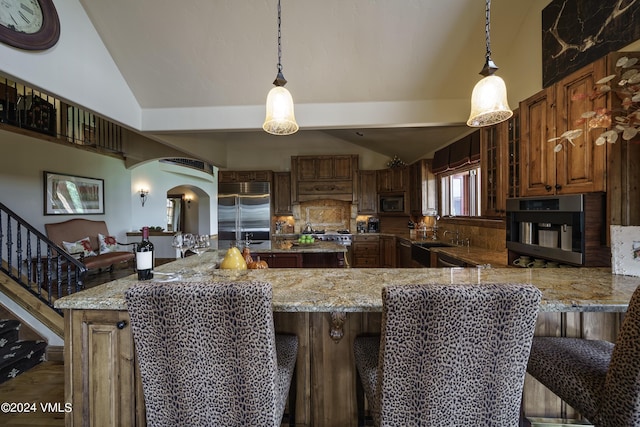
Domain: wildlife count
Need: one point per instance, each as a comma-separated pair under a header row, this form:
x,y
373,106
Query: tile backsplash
x,y
329,215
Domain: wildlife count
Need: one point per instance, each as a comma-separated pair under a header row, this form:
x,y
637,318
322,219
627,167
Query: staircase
x,y
17,356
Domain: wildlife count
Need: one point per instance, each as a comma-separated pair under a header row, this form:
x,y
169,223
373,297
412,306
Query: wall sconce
x,y
188,199
143,195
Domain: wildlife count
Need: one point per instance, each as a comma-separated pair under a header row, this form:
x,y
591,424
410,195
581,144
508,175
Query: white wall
x,y
21,180
159,178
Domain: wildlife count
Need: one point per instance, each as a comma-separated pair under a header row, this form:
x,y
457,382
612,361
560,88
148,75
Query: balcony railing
x,y
31,109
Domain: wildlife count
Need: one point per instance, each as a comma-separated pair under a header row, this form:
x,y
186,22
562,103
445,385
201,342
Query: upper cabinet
x,y
368,198
282,193
244,176
393,180
324,177
580,166
422,189
499,145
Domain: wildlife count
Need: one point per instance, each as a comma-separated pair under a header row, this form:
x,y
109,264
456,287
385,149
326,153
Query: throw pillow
x,y
107,244
81,246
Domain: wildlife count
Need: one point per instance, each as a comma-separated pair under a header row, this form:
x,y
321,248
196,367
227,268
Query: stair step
x,y
20,356
8,331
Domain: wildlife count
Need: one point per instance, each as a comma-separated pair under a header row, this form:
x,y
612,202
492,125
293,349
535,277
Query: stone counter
x,y
359,290
475,256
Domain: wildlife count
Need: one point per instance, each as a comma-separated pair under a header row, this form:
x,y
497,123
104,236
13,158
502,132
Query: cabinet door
x,y
100,369
342,167
536,152
493,147
387,251
282,193
368,197
580,167
306,168
513,153
227,176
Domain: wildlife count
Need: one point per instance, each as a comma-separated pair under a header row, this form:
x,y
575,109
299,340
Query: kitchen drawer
x,y
366,249
365,262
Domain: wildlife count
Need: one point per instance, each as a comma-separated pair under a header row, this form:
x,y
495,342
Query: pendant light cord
x,y
280,80
487,29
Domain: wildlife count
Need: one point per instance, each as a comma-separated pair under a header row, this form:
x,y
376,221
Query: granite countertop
x,y
354,290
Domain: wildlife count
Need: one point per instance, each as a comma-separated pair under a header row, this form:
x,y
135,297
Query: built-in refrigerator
x,y
243,207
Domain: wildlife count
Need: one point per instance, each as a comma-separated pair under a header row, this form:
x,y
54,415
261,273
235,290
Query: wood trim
x,y
38,309
55,353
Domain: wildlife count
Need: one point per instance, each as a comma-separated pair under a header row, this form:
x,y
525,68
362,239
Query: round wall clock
x,y
29,24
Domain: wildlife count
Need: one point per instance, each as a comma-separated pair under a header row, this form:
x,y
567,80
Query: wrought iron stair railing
x,y
35,262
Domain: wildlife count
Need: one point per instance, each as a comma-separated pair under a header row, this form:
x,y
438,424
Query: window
x,y
460,192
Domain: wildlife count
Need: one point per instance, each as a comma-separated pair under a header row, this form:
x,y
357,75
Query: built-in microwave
x,y
391,203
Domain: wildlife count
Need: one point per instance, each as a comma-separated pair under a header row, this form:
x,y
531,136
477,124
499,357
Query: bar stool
x,y
597,378
209,356
448,355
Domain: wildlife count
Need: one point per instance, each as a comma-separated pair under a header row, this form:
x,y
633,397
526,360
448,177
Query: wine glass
x,y
202,244
184,242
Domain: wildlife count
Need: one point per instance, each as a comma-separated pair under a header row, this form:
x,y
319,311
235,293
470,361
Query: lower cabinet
x,y
102,380
387,251
366,251
280,260
301,260
403,252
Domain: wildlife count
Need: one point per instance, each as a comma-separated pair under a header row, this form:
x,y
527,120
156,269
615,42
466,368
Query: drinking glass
x,y
184,242
202,244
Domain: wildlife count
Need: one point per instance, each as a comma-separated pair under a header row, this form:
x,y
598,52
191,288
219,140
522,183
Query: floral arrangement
x,y
626,122
396,163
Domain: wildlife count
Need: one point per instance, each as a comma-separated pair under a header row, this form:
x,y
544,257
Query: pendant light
x,y
489,103
280,119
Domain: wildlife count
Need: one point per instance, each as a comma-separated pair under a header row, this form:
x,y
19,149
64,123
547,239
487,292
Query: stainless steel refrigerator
x,y
243,207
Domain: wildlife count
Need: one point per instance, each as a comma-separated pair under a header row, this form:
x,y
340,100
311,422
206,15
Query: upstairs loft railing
x,y
28,108
35,262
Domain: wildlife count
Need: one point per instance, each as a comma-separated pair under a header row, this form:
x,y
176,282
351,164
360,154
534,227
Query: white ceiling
x,y
223,53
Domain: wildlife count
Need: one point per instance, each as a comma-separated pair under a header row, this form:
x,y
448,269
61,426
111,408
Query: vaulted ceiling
x,y
356,68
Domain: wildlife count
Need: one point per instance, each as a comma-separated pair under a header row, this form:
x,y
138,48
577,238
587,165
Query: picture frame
x,y
625,250
72,195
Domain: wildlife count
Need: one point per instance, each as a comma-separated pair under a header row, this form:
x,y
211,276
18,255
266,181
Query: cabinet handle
x,y
548,187
558,186
121,324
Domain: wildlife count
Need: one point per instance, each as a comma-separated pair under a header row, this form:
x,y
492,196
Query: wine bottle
x,y
144,257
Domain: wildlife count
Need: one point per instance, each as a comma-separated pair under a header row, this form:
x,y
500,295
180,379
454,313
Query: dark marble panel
x,y
577,32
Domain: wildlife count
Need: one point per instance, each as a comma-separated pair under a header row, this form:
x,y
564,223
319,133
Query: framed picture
x,y
72,195
625,250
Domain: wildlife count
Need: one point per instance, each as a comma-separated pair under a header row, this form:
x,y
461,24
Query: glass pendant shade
x,y
280,119
489,103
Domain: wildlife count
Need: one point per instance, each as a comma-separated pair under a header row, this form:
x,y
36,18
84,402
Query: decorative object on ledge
x,y
396,163
337,325
143,196
489,103
72,195
626,123
625,250
280,119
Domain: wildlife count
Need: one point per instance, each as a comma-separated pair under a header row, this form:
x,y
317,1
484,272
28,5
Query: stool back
x,y
454,354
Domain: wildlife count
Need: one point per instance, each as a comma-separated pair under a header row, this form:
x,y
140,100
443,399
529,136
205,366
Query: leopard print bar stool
x,y
448,355
597,378
209,356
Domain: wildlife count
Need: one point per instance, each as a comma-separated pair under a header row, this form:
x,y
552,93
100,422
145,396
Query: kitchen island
x,y
326,308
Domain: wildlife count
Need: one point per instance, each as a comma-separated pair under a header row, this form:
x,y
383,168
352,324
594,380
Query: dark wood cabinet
x,y
366,251
392,180
422,189
282,193
244,176
321,177
387,251
403,253
368,197
500,165
280,260
579,167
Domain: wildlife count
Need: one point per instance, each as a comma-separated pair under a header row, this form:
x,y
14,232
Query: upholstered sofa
x,y
67,233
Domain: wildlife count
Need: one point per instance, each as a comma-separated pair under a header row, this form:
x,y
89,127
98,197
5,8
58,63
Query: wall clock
x,y
29,24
